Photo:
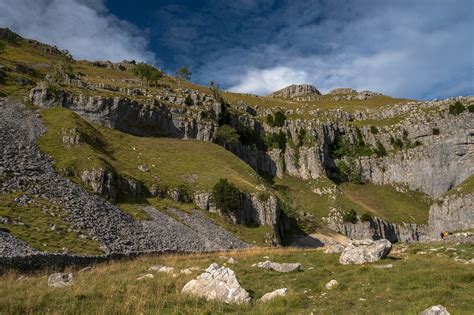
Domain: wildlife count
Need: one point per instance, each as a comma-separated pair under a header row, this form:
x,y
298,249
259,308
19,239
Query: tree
x,y
183,73
227,136
147,73
457,108
226,196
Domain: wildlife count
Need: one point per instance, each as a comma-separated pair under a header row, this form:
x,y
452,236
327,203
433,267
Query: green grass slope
x,y
416,282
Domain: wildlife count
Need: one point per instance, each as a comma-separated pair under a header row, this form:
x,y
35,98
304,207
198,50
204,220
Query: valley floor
x,y
423,274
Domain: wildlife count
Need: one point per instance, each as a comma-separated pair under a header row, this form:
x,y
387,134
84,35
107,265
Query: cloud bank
x,y
418,49
84,27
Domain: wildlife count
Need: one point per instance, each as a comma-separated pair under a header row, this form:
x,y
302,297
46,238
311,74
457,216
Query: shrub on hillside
x,y
366,217
456,108
277,120
188,100
380,149
350,216
470,108
435,131
227,136
374,130
226,196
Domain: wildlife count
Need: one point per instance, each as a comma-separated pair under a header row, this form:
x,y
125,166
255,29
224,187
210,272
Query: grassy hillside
x,y
415,282
383,201
170,162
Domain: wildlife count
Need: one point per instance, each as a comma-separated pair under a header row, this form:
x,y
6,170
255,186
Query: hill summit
x,y
296,90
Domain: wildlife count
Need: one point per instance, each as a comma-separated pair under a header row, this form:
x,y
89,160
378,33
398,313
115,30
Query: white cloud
x,y
84,27
265,81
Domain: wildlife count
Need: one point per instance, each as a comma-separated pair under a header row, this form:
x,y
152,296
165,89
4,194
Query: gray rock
x,y
331,284
365,251
60,280
271,295
452,213
296,90
435,310
334,249
217,283
280,267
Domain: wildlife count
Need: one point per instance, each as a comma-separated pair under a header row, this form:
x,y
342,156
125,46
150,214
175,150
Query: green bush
x,y
435,131
366,217
226,196
350,216
277,120
276,140
188,100
374,130
470,108
457,108
380,149
270,120
227,136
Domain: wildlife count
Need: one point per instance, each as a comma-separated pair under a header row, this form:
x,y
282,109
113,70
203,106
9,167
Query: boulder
x,y
365,251
217,283
334,249
271,295
331,284
60,280
280,267
435,310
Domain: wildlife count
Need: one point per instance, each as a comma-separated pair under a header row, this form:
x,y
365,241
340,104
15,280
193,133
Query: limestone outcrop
x,y
279,267
296,90
365,251
217,283
454,212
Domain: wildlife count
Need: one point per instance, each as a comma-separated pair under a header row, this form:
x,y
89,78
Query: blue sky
x,y
417,49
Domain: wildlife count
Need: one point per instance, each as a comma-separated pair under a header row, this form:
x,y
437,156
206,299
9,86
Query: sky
x,y
404,48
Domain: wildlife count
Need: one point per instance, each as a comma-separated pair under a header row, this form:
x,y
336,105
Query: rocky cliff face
x,y
296,90
152,118
452,213
376,229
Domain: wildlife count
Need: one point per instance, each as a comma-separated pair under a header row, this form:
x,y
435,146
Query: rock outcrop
x,y
365,251
296,90
452,213
217,283
376,229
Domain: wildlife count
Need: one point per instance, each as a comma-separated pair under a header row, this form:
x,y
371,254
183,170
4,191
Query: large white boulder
x,y
217,283
365,251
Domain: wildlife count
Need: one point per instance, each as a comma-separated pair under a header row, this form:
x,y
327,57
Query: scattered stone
x,y
271,295
388,266
435,310
231,261
280,267
186,271
160,268
334,249
60,280
143,168
217,283
85,269
147,276
331,284
365,251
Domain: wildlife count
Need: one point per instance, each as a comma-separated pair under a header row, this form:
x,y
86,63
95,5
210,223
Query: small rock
x,y
148,275
284,267
271,295
85,269
60,280
388,266
160,268
331,284
231,260
435,310
143,168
